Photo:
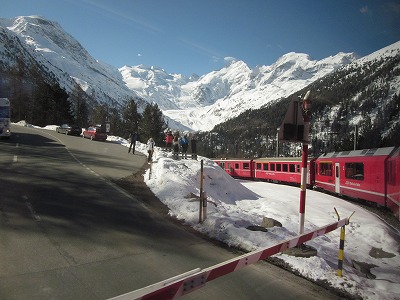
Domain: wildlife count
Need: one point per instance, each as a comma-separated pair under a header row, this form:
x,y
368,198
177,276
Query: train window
x,y
278,167
258,166
285,167
272,167
297,168
246,166
236,166
292,168
265,167
325,169
354,171
222,165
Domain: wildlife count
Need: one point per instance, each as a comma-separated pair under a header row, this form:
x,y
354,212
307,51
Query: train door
x,y
337,178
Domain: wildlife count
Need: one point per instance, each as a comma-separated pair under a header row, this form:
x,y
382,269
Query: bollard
x,y
341,244
341,251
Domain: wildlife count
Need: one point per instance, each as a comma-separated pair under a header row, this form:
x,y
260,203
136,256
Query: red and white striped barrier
x,y
188,282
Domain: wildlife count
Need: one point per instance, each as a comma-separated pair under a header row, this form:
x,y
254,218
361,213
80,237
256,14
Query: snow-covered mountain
x,y
220,95
197,103
62,56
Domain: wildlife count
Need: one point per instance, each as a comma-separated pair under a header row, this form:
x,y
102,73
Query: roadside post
x,y
204,200
201,193
151,166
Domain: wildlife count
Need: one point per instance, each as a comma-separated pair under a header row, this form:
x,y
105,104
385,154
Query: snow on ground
x,y
239,204
236,204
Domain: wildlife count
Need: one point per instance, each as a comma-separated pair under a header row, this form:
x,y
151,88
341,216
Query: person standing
x,y
185,145
193,145
169,139
150,149
134,139
176,146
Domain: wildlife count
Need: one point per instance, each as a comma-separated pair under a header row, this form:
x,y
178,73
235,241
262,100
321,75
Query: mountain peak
x,y
22,23
293,56
198,103
64,58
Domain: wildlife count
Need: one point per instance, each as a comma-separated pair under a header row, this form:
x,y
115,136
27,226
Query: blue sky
x,y
195,36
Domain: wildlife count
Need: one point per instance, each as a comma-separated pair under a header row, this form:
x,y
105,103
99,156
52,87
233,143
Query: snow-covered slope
x,y
250,89
220,95
65,57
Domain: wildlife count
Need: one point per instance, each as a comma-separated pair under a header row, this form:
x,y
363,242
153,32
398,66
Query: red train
x,y
371,174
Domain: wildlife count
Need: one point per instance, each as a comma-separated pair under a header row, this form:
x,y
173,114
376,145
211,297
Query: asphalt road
x,y
67,232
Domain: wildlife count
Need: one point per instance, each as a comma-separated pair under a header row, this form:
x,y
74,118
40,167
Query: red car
x,y
94,133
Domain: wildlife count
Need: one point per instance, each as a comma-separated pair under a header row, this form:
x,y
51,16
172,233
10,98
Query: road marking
x,y
111,184
32,210
15,158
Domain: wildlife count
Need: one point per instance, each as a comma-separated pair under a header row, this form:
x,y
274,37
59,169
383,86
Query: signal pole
x,y
306,106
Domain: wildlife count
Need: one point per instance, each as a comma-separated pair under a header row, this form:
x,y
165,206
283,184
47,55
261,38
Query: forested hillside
x,y
37,98
358,105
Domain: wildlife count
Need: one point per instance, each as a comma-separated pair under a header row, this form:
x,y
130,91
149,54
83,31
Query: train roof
x,y
365,152
231,159
278,159
263,159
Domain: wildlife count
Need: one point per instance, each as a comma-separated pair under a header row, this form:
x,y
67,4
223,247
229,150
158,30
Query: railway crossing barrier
x,y
188,282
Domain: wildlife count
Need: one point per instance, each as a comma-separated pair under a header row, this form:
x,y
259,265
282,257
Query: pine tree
x,y
79,102
131,117
100,114
153,124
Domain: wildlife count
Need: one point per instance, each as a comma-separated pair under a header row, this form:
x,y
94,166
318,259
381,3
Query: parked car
x,y
94,133
67,129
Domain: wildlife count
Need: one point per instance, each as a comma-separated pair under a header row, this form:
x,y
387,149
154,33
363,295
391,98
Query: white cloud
x,y
229,59
364,10
216,58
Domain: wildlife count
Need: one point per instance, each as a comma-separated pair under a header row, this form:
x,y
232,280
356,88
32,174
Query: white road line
x,y
15,158
114,186
33,213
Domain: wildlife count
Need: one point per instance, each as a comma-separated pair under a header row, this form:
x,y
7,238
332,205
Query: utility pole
x,y
277,142
355,136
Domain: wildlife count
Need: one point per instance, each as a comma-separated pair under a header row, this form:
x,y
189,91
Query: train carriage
x,y
372,175
393,182
273,169
357,174
238,168
282,169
